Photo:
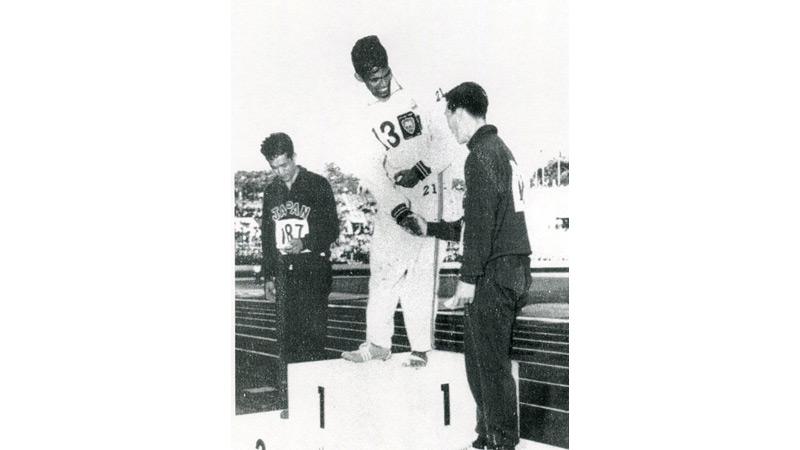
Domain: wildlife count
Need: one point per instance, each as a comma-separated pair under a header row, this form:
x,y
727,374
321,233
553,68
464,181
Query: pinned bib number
x,y
517,188
288,229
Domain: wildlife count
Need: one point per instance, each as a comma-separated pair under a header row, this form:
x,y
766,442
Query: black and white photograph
x,y
306,225
401,178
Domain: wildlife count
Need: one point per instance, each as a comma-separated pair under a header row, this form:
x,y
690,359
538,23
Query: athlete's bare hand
x,y
294,247
269,290
464,295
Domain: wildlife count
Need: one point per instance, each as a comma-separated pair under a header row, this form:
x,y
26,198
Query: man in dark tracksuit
x,y
495,274
298,226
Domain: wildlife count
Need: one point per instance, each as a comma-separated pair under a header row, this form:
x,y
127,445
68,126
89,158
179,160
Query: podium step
x,y
267,431
340,405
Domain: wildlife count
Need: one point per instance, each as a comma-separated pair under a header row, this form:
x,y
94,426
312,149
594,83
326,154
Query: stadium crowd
x,y
355,209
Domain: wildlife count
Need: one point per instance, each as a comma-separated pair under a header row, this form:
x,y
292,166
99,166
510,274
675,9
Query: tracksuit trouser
x,y
302,285
488,327
412,284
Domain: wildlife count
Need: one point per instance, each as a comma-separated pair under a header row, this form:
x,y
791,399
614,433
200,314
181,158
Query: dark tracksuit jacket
x,y
497,260
308,209
302,281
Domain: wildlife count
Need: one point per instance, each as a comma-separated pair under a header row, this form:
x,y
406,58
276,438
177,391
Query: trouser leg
x,y
302,290
284,292
320,280
306,317
491,319
473,373
492,316
417,299
382,302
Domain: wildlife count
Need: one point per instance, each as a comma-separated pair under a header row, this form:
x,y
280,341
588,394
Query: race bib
x,y
288,229
517,188
391,133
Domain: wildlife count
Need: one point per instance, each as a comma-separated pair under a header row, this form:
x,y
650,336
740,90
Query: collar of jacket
x,y
480,133
301,171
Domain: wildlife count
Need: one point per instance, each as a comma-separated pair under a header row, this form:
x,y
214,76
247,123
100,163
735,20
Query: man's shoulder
x,y
315,178
490,144
487,158
476,162
482,153
311,175
272,183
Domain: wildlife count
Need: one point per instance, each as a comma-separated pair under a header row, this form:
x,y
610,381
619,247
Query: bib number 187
x,y
289,232
288,229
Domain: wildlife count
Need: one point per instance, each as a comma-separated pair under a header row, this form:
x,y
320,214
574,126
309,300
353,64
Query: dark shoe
x,y
285,414
481,442
501,447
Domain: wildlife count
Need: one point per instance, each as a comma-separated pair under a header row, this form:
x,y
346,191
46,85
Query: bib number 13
x,y
408,124
387,135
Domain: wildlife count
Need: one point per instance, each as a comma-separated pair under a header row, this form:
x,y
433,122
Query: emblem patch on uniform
x,y
410,124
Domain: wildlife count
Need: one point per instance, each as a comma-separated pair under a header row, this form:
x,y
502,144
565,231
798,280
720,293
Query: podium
x,y
341,405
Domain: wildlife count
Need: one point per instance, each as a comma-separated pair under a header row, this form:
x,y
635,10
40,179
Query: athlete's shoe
x,y
417,360
481,442
366,352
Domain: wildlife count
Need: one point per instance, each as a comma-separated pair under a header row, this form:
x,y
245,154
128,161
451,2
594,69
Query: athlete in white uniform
x,y
405,148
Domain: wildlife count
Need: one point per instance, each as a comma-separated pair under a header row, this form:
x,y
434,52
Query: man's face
x,y
379,82
284,167
455,122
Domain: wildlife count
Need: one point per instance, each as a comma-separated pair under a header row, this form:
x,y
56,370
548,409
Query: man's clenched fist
x,y
269,290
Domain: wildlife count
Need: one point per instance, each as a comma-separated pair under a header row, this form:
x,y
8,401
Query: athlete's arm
x,y
269,253
371,172
448,231
479,219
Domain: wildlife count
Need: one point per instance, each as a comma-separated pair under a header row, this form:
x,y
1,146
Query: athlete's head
x,y
372,66
466,110
279,151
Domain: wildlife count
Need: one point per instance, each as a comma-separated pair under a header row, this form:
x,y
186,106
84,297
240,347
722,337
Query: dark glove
x,y
410,177
400,212
410,224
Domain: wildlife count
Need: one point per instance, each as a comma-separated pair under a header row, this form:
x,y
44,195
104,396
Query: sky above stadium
x,y
291,70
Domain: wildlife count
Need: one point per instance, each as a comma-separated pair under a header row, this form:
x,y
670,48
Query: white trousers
x,y
409,278
404,270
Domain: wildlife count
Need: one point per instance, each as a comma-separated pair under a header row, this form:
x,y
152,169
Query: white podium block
x,y
259,431
340,405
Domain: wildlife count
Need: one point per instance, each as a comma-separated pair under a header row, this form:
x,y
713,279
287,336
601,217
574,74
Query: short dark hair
x,y
470,96
367,54
277,144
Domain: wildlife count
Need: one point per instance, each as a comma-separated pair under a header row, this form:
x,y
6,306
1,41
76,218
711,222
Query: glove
x,y
410,177
411,223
